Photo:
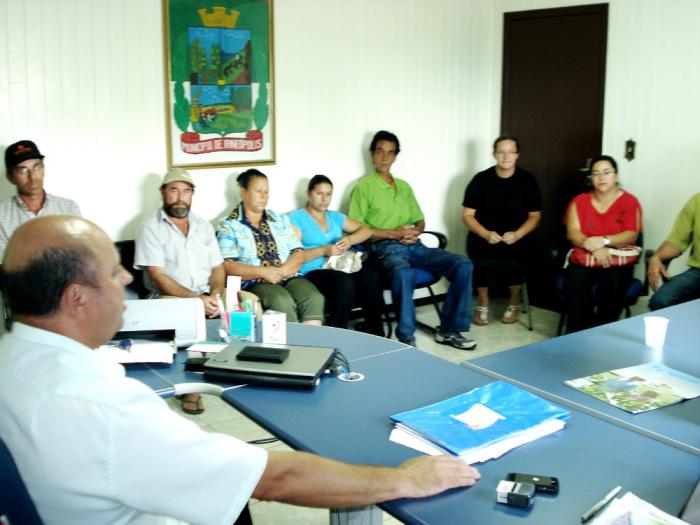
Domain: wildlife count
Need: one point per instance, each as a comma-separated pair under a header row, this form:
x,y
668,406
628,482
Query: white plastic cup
x,y
655,331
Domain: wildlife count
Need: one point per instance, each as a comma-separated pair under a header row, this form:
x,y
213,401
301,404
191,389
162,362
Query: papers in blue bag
x,y
479,425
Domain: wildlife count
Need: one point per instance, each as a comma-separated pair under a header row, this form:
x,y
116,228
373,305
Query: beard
x,y
177,210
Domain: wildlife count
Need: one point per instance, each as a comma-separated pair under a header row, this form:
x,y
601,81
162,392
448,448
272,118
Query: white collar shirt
x,y
187,259
95,447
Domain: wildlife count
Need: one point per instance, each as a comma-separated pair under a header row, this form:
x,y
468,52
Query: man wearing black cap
x,y
25,169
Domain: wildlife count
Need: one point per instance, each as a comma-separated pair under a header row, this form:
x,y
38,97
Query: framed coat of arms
x,y
219,82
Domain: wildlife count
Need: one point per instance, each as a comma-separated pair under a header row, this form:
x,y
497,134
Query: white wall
x,y
651,96
90,92
83,78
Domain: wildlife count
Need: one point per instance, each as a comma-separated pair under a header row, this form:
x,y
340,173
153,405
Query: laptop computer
x,y
301,367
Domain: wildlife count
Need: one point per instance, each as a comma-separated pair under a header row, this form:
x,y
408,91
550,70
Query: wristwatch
x,y
606,241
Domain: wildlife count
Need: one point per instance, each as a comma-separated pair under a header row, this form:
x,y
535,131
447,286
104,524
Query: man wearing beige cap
x,y
179,254
25,169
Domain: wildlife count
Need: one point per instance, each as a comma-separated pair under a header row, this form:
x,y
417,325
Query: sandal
x,y
192,406
481,315
511,314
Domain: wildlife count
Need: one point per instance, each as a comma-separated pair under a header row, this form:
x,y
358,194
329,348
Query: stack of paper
x,y
139,351
205,348
632,510
479,425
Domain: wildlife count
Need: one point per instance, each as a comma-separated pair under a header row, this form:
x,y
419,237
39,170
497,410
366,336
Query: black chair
x,y
635,289
16,506
136,289
525,305
6,314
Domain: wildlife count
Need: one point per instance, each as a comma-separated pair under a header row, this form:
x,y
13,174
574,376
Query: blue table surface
x,y
349,422
354,345
144,374
547,364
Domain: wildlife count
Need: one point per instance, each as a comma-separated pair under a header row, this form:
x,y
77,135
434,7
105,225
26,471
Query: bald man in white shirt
x,y
93,446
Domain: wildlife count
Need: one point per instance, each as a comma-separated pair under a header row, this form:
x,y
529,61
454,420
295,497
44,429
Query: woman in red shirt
x,y
603,226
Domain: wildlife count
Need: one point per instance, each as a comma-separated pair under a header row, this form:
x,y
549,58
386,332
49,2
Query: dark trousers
x,y
582,309
343,291
244,518
497,264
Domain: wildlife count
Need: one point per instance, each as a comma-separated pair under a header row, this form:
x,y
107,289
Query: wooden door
x,y
552,100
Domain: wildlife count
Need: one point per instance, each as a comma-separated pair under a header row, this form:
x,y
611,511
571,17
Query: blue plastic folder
x,y
480,417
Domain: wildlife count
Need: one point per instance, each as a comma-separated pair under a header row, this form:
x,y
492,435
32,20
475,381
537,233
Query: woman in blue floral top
x,y
261,247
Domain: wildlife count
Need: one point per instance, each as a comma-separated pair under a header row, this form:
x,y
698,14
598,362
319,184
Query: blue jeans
x,y
401,259
681,288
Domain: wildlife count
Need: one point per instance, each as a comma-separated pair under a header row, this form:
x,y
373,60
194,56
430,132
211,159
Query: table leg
x,y
370,515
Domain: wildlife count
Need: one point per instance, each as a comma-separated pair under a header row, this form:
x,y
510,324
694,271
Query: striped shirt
x,y
13,213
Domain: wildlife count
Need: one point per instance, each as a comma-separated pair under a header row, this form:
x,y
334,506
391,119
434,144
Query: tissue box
x,y
274,327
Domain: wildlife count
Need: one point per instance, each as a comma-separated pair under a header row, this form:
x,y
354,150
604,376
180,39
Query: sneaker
x,y
456,340
481,315
511,314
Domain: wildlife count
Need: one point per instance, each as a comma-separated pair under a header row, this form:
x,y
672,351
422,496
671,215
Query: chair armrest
x,y
560,254
645,285
441,238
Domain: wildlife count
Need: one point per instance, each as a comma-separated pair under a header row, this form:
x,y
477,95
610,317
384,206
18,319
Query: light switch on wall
x,y
630,146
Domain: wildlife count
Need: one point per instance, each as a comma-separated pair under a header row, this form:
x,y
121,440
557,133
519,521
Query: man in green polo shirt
x,y
685,286
388,206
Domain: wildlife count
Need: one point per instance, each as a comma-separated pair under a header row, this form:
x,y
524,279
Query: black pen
x,y
600,504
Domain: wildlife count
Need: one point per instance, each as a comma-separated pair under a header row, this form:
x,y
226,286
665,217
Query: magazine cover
x,y
639,388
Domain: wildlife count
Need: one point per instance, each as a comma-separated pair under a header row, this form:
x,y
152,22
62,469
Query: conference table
x,y
146,373
349,421
544,366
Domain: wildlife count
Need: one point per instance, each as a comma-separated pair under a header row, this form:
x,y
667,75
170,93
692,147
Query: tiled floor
x,y
495,337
